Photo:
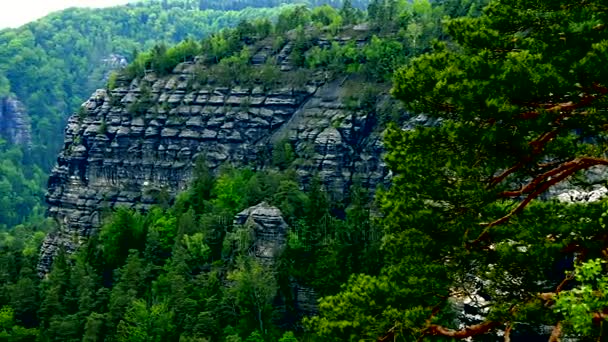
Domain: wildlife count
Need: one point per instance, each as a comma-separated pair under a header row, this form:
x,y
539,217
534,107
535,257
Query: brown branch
x,y
537,146
556,333
538,187
495,180
539,143
561,173
530,187
473,330
561,285
599,316
508,332
389,336
566,107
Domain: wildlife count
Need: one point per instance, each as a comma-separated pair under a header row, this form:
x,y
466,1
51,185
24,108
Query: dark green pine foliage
x,y
519,95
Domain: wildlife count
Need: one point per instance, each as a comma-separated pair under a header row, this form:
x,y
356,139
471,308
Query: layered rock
x,y
269,230
118,154
269,240
14,122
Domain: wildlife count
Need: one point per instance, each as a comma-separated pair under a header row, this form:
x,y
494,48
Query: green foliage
x,y
282,154
125,231
455,211
143,323
288,337
253,288
588,299
21,187
228,190
293,18
5,86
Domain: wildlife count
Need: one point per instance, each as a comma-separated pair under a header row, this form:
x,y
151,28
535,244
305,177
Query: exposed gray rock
x,y
14,122
116,157
269,230
269,240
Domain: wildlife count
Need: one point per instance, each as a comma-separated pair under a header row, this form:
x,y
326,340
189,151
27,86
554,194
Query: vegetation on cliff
x,y
54,63
519,96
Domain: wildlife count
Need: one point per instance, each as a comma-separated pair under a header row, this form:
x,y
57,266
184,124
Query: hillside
x,y
334,175
270,126
52,65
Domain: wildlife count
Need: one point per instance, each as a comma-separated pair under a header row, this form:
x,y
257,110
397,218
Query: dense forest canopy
x,y
190,249
231,5
470,244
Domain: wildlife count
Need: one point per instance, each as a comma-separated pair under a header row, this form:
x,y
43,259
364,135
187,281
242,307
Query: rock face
x,y
269,230
115,156
14,122
269,240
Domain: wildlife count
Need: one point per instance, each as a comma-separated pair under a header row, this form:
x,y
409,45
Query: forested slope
x,y
188,268
52,65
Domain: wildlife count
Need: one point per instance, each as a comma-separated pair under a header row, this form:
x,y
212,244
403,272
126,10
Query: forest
x,y
53,64
468,224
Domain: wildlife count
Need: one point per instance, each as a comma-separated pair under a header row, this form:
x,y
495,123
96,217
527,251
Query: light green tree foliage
x,y
5,86
253,289
229,190
326,16
587,301
288,337
195,244
422,23
143,323
12,332
519,94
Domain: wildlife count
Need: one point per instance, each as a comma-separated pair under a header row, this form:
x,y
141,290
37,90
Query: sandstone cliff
x,y
117,156
14,122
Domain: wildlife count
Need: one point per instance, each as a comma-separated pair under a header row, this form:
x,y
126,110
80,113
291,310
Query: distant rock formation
x,y
115,156
269,240
269,230
14,122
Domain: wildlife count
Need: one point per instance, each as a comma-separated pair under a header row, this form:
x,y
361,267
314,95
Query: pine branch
x,y
566,108
538,186
473,330
508,332
537,145
556,333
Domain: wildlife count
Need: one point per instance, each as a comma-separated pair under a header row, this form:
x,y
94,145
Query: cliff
x,y
14,122
115,155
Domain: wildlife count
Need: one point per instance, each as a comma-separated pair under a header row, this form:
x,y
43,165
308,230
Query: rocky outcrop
x,y
145,135
14,122
269,230
269,240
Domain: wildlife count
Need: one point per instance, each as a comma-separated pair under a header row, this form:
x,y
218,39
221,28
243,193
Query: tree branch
x,y
473,330
556,333
566,108
538,186
537,147
543,182
508,332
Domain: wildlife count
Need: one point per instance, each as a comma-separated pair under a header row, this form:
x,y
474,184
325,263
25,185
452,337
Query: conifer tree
x,y
519,96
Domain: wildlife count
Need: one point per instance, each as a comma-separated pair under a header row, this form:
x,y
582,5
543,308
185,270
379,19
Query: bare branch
x,y
543,182
473,330
556,333
508,332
